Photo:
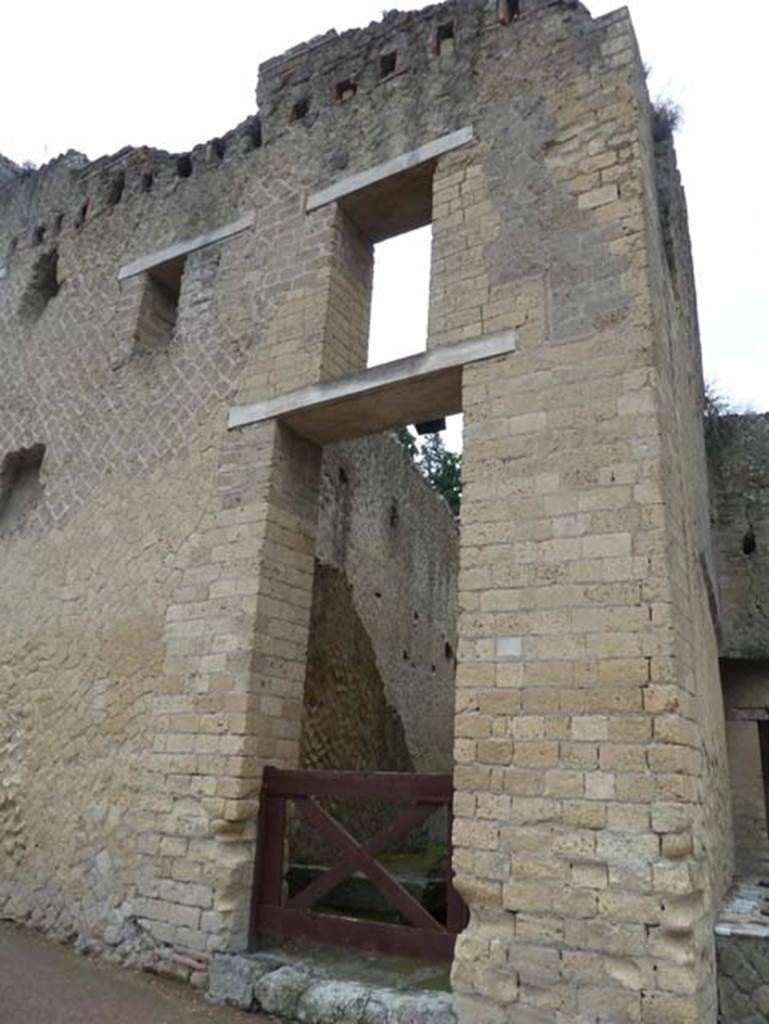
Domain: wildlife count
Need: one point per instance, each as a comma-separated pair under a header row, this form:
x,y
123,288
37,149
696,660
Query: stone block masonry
x,y
739,458
156,579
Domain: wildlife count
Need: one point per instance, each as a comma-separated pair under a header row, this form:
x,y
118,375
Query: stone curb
x,y
309,996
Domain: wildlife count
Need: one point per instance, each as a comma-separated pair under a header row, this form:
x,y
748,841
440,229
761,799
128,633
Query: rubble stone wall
x,y
739,460
394,542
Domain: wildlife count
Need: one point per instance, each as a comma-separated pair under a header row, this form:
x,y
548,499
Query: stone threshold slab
x,y
413,390
746,911
296,991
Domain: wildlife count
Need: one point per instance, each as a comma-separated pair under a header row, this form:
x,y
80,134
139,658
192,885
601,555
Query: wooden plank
x,y
456,911
279,922
407,821
393,786
268,862
274,830
399,897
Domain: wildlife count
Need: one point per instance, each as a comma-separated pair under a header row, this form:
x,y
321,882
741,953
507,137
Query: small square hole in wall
x,y
159,307
444,43
20,487
82,214
387,64
116,189
345,90
43,286
299,110
184,165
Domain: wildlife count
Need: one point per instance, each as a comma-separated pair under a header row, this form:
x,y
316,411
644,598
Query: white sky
x,y
97,76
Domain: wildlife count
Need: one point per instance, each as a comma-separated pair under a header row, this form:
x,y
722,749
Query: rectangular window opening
x,y
400,296
400,304
445,38
159,308
20,486
393,216
388,62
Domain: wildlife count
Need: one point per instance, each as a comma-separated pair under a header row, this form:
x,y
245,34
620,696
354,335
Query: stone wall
x,y
746,695
379,690
743,980
112,816
155,601
738,451
739,459
394,543
610,778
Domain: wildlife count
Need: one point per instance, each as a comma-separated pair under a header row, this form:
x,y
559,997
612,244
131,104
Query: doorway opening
x,y
368,815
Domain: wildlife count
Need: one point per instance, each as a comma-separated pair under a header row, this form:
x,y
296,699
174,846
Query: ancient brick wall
x,y
698,807
394,543
738,448
95,569
746,696
160,588
610,774
739,460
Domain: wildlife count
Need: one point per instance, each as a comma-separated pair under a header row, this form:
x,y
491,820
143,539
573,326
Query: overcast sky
x,y
96,76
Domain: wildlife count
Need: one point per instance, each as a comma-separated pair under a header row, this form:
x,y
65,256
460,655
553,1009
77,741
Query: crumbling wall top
x,y
333,67
8,170
408,75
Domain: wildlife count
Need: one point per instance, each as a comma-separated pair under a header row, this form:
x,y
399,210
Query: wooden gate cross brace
x,y
360,857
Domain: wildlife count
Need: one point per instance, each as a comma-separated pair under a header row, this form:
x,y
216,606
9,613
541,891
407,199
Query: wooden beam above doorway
x,y
412,390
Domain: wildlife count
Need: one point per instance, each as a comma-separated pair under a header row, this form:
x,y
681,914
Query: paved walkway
x,y
43,983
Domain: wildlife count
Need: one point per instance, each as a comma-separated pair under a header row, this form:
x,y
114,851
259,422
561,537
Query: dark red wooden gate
x,y
277,915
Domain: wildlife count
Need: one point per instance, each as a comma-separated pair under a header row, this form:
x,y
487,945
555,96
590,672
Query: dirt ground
x,y
43,983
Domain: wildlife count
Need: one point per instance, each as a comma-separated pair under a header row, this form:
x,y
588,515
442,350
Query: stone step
x,y
306,988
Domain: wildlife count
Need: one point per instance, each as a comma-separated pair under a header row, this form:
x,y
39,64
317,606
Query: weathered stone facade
x,y
156,570
740,473
739,461
390,544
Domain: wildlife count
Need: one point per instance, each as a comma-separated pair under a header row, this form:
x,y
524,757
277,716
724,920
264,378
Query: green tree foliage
x,y
716,406
409,442
440,467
